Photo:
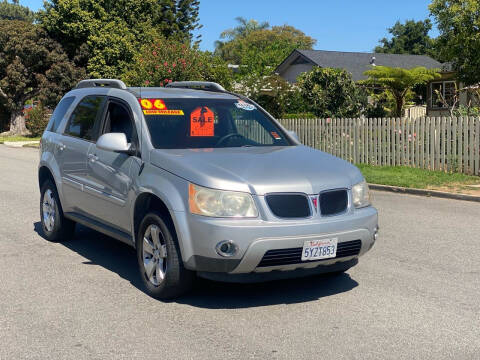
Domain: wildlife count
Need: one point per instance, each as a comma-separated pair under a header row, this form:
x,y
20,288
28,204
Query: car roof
x,y
161,92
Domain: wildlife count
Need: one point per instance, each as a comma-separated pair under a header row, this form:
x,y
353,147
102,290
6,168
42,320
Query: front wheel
x,y
54,224
159,259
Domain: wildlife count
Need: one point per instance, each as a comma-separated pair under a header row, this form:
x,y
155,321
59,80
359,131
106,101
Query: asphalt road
x,y
416,295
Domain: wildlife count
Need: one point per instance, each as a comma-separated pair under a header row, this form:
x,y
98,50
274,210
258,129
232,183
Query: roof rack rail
x,y
197,85
111,83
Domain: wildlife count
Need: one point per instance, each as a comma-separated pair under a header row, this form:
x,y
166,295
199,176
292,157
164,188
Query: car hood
x,y
259,170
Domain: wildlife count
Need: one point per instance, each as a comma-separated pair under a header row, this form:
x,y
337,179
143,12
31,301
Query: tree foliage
x,y
257,48
15,11
31,65
167,60
332,93
104,36
459,42
273,93
398,82
409,38
243,28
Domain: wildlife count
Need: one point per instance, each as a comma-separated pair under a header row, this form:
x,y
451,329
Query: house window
x,y
445,90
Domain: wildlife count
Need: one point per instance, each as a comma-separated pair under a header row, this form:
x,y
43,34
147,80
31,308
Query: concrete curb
x,y
422,192
19,144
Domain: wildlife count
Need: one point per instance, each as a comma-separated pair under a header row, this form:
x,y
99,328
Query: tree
x,y
398,82
258,48
31,66
243,28
15,11
458,22
409,38
167,60
332,93
105,36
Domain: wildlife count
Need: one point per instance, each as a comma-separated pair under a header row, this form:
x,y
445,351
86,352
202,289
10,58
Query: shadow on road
x,y
120,258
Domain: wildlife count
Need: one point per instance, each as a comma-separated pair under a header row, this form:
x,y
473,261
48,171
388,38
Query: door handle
x,y
61,147
92,157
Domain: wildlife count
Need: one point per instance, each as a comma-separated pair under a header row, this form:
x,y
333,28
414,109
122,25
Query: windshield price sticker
x,y
319,249
240,104
152,104
163,112
202,122
275,135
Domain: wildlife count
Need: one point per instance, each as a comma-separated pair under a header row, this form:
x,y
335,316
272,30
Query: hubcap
x,y
154,255
48,210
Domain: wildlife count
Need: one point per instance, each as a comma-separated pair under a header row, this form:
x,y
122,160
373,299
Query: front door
x,y
109,178
72,150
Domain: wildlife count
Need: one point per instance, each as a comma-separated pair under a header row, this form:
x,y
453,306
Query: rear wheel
x,y
159,259
54,224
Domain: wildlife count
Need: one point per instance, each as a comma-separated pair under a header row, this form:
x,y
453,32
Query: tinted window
x,y
209,123
83,118
59,113
118,120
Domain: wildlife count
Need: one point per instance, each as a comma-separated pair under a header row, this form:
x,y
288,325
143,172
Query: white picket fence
x,y
446,144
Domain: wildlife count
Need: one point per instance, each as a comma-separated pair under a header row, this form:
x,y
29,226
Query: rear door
x,y
79,135
109,178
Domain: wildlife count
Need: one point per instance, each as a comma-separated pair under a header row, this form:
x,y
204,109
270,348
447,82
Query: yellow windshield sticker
x,y
146,103
163,112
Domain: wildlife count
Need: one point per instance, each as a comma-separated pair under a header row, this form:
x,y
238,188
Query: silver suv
x,y
199,181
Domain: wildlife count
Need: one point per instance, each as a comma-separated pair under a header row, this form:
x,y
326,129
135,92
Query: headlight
x,y
360,195
219,203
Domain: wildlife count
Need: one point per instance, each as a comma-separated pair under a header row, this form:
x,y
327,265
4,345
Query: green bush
x,y
36,120
299,116
331,93
273,93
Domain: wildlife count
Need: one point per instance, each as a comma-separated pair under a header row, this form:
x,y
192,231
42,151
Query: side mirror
x,y
294,135
116,142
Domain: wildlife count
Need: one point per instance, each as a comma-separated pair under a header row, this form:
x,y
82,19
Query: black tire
x,y
177,280
63,229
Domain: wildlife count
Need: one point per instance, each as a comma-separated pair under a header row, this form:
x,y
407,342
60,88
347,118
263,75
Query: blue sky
x,y
344,25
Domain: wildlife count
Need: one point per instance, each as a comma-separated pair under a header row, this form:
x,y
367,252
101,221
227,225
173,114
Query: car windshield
x,y
186,123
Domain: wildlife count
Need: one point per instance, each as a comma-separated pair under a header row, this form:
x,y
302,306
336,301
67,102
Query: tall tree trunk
x,y
399,106
17,124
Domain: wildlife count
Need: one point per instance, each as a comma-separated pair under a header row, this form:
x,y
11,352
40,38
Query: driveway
x,y
416,295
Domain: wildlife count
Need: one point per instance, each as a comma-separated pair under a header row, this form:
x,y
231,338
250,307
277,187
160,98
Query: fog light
x,y
375,234
226,248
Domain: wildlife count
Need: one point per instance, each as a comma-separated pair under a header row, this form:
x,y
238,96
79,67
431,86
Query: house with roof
x,y
300,61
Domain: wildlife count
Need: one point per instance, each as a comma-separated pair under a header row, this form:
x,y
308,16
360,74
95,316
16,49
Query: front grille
x,y
294,255
333,202
289,205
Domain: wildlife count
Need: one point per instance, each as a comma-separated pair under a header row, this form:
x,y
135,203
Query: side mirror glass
x,y
116,142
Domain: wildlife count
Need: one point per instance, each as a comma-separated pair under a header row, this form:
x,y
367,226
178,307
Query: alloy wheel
x,y
48,210
154,255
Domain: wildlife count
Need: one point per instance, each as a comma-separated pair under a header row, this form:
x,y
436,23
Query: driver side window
x,y
118,119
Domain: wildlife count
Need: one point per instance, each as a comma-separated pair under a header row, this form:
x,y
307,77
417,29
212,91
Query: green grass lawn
x,y
17,138
415,178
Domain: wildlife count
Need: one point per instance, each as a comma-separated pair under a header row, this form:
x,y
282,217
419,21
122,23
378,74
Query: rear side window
x,y
59,113
82,121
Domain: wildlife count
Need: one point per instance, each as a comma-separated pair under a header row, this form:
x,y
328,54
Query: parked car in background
x,y
201,182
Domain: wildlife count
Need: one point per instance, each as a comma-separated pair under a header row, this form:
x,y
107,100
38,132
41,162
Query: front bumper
x,y
198,237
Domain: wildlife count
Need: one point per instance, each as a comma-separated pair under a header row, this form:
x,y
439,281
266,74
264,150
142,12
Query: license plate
x,y
319,249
